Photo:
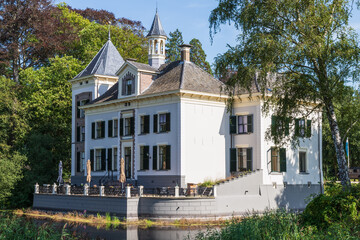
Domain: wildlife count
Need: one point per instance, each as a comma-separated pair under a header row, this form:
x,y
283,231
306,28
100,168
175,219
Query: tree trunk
x,y
339,147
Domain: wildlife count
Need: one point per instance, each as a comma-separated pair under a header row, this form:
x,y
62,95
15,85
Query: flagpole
x,y
348,151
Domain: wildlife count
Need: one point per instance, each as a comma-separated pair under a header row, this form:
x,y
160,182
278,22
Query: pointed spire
x,y
156,27
109,33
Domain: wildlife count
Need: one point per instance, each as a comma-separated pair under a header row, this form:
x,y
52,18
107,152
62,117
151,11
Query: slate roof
x,y
106,62
142,66
156,27
110,94
184,75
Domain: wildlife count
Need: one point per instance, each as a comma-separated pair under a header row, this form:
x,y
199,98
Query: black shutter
x,y
110,128
78,134
78,161
121,127
133,86
232,124
93,130
92,159
250,123
155,123
232,159
102,129
103,159
273,125
77,109
282,160
168,122
168,157
297,127
123,86
109,157
146,124
287,126
249,160
154,157
132,126
308,128
146,157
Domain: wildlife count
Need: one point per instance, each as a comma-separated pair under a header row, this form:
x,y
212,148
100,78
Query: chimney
x,y
185,52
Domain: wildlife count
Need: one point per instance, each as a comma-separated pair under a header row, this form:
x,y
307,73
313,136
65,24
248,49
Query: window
x,y
113,128
241,159
115,159
164,157
97,160
244,159
98,130
82,136
127,162
242,124
279,126
81,112
82,161
278,160
128,86
144,158
127,127
302,162
100,160
162,122
115,134
303,128
145,124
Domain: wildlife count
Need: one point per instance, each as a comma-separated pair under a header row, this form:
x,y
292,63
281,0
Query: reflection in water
x,y
84,231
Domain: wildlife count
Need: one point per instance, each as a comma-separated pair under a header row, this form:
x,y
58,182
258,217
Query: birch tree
x,y
307,42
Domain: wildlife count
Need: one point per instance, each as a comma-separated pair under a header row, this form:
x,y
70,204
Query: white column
x,y
36,188
141,191
102,191
67,189
128,192
86,189
54,188
176,191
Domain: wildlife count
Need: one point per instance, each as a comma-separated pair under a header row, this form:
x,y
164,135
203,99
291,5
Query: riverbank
x,y
108,220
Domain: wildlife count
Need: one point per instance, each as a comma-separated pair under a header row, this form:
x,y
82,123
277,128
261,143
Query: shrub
x,y
335,206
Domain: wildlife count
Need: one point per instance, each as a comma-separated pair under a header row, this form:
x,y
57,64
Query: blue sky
x,y
189,16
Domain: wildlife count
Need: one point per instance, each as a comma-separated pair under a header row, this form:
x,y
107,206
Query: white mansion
x,y
171,125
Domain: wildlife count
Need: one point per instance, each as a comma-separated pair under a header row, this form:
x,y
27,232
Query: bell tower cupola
x,y
157,38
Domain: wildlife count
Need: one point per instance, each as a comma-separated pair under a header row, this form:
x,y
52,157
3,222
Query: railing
x,y
118,191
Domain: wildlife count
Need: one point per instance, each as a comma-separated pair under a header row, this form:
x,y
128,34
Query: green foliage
x,y
335,206
92,36
307,47
173,51
348,115
198,56
13,227
11,166
276,225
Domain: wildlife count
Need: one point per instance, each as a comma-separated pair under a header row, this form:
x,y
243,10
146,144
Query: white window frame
x,y
115,127
114,163
97,162
302,150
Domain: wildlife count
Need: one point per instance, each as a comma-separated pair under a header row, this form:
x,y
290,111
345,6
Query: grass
x,y
108,220
13,227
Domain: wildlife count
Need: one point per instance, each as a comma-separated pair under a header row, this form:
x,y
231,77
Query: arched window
x,y
150,46
156,47
162,47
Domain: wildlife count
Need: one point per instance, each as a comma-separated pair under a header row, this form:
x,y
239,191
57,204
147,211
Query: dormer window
x,y
128,84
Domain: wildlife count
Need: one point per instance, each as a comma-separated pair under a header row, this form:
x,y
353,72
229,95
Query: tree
x,y
30,33
307,43
92,36
348,116
172,49
198,56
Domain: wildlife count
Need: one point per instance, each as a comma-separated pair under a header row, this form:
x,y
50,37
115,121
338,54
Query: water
x,y
131,232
